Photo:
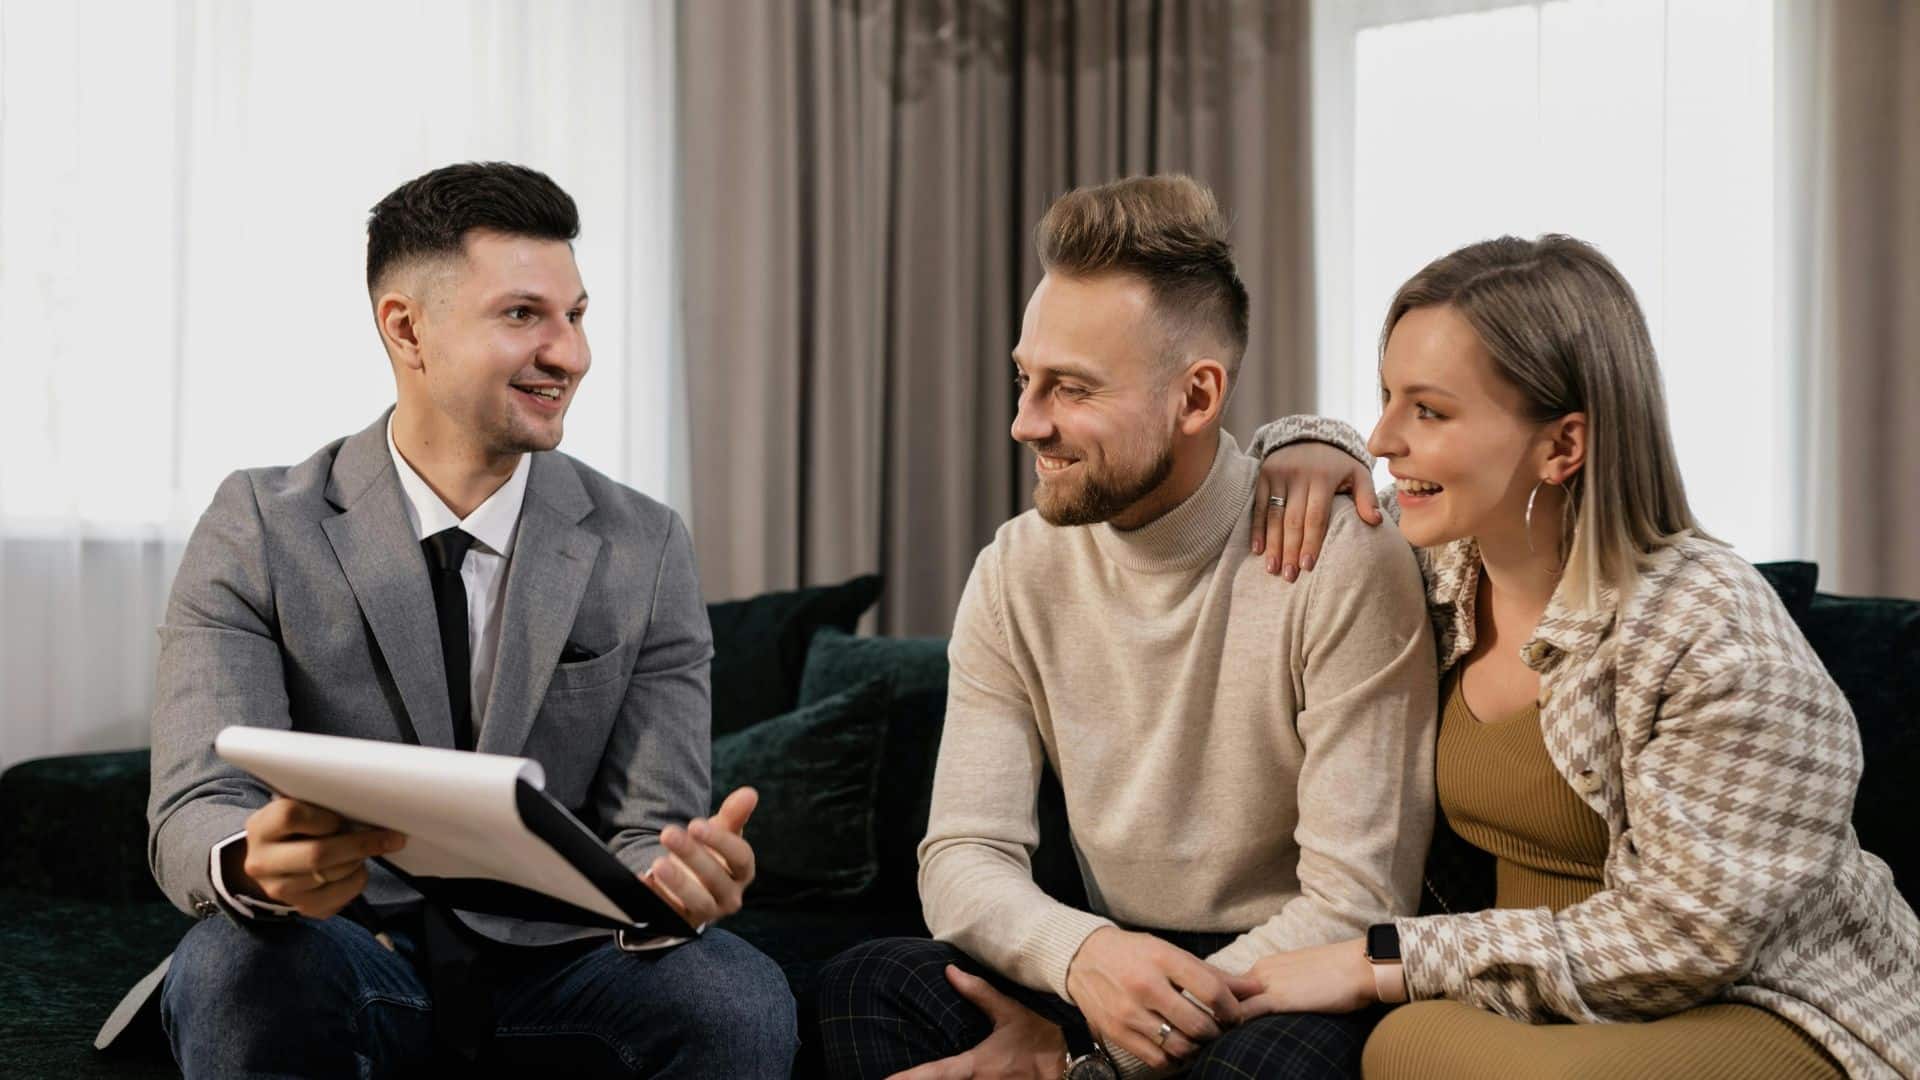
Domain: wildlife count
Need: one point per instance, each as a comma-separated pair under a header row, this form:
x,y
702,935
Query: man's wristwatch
x,y
1086,1058
1383,953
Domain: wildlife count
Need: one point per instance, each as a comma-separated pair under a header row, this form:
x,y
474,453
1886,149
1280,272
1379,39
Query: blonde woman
x,y
1631,723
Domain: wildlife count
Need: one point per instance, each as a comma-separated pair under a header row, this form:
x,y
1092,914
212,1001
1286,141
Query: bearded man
x,y
1247,760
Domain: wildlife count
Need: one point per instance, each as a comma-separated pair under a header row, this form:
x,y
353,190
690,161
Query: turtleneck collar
x,y
1191,534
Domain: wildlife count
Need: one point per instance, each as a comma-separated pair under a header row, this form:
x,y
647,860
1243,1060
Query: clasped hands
x,y
1152,999
1128,985
314,861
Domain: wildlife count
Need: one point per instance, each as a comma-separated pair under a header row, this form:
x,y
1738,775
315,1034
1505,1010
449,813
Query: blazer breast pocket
x,y
576,718
582,675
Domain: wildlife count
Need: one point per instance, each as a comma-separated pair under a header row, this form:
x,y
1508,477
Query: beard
x,y
1101,495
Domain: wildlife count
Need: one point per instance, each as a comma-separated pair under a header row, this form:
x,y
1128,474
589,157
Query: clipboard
x,y
483,834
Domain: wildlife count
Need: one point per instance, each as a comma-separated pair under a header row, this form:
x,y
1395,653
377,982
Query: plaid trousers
x,y
886,1005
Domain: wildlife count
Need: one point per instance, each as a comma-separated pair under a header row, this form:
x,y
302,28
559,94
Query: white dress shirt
x,y
484,573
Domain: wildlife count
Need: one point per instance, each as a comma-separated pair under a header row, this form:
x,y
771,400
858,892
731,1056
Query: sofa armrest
x,y
76,826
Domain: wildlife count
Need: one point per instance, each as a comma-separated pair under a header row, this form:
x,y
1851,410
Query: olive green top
x,y
1502,794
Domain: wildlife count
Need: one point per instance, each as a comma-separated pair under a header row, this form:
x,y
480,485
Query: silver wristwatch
x,y
1092,1065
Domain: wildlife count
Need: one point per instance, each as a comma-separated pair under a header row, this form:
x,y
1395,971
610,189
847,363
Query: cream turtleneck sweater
x,y
1239,753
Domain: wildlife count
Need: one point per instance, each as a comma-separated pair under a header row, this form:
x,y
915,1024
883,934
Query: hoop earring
x,y
1569,519
1529,517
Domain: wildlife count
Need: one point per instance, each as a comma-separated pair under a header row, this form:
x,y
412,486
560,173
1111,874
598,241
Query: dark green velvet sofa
x,y
839,733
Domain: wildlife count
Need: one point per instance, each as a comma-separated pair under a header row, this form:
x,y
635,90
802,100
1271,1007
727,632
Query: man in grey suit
x,y
446,578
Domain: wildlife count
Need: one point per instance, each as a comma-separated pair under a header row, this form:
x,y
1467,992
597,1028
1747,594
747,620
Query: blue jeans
x,y
302,997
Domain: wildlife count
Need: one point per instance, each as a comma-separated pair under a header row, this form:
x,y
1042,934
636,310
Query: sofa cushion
x,y
76,826
915,719
65,964
1870,647
916,671
905,795
1794,581
837,660
817,770
760,646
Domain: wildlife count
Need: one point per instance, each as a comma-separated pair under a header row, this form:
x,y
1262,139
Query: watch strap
x,y
1079,1039
1390,981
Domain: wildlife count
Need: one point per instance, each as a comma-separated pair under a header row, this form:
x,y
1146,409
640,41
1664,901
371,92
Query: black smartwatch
x,y
1383,953
1383,943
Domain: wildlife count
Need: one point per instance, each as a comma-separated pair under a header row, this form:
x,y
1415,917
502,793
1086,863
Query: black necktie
x,y
446,550
456,970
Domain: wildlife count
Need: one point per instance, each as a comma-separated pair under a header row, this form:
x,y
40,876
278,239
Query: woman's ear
x,y
1567,447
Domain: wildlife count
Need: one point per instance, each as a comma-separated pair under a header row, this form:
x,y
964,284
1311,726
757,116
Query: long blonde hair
x,y
1564,328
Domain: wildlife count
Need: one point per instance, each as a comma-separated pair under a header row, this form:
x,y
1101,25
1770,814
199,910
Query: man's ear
x,y
1203,395
399,316
1567,447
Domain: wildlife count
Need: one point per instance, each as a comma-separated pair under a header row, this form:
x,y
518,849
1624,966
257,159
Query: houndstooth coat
x,y
1697,721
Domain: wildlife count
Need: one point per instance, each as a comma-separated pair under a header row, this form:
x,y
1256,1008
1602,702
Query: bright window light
x,y
184,199
1642,126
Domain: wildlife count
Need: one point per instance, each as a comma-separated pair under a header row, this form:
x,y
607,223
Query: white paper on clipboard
x,y
457,808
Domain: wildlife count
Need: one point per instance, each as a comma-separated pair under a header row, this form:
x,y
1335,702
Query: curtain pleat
x,y
849,364
1863,502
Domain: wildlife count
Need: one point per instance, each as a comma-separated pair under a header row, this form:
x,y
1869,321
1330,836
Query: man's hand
x,y
1128,984
308,858
709,865
1307,475
1332,978
1023,1043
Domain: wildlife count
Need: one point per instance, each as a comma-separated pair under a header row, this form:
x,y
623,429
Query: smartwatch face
x,y
1383,942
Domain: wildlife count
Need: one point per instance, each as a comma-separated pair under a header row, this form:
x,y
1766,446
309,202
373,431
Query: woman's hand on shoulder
x,y
1305,477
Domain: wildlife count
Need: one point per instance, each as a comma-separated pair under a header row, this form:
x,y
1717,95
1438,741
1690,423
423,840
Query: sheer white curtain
x,y
183,195
1648,127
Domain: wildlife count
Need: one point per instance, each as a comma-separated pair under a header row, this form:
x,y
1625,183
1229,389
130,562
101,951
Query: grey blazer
x,y
303,602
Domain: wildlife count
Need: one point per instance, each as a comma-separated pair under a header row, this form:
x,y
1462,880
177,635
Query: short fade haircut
x,y
430,215
1167,231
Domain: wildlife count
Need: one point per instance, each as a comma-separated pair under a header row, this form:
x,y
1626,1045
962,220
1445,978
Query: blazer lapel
x,y
547,576
388,573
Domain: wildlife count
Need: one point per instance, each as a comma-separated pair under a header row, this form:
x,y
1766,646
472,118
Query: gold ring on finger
x,y
1160,1037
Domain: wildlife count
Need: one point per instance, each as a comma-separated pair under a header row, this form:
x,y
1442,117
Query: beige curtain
x,y
1863,483
860,180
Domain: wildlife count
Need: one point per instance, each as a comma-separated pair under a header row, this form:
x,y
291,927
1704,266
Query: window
x,y
1645,127
184,199
183,196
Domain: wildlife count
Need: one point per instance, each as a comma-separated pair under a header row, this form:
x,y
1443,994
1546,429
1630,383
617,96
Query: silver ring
x,y
1160,1038
1278,502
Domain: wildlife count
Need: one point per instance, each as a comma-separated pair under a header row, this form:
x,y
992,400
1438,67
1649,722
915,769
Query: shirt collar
x,y
492,524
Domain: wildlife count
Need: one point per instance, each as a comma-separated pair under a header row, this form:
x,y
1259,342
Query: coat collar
x,y
364,461
1566,628
546,579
